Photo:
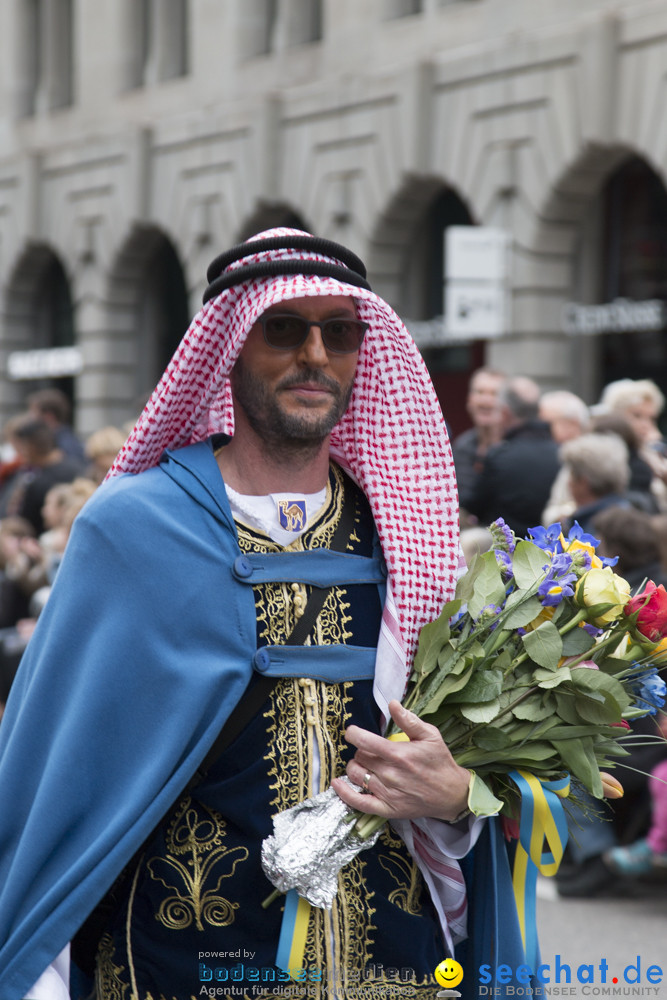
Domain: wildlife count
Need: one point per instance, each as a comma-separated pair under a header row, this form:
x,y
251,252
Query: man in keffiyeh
x,y
294,452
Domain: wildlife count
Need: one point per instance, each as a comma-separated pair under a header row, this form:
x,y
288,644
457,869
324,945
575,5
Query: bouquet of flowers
x,y
539,663
536,665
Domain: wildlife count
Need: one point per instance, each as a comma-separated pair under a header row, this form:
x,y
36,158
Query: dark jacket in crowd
x,y
467,463
516,478
585,516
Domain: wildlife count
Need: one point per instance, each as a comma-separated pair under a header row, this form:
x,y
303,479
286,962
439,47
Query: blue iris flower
x,y
547,538
577,534
559,582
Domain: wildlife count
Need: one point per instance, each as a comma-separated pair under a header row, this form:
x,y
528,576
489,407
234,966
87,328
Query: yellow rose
x,y
574,546
659,652
603,586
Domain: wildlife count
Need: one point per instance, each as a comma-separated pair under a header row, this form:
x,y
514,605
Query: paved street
x,y
618,929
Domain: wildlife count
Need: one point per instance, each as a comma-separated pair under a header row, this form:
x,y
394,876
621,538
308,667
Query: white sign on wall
x,y
476,308
476,253
54,362
619,316
476,281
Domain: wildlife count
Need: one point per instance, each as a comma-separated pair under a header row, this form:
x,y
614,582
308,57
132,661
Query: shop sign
x,y
476,309
476,281
619,316
476,253
54,362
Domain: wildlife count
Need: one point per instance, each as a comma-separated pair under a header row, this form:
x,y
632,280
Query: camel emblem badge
x,y
292,514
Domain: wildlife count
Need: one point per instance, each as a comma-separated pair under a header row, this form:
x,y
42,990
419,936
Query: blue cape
x,y
81,716
102,701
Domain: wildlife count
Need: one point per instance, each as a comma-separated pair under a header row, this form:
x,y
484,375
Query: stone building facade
x,y
139,138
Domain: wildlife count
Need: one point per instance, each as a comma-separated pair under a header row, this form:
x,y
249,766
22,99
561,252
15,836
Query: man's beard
x,y
288,432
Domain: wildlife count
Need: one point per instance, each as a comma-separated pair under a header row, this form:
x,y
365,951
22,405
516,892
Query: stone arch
x,y
406,267
556,260
146,314
38,314
402,240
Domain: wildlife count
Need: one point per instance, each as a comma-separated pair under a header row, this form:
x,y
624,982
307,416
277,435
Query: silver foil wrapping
x,y
310,844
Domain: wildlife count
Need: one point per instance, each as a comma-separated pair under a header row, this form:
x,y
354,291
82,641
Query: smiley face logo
x,y
449,973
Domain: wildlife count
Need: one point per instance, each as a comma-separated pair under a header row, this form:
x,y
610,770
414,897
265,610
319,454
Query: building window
x,y
633,255
46,44
274,25
173,38
156,41
304,22
402,8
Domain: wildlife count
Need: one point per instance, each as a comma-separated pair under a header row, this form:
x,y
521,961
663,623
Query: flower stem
x,y
270,899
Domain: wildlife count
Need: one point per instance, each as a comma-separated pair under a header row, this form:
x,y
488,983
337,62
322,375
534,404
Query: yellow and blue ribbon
x,y
542,819
293,932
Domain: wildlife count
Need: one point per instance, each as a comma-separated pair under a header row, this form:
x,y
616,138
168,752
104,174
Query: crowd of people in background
x,y
46,475
537,458
531,457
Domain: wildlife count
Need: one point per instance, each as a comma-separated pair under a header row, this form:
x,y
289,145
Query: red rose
x,y
651,608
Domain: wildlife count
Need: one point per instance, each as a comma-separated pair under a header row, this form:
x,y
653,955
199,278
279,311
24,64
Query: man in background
x,y
53,407
517,474
469,448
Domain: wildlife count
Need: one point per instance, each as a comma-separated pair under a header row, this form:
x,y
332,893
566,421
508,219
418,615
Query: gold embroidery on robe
x,y
404,872
195,865
108,983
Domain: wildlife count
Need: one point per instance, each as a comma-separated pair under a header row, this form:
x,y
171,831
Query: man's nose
x,y
313,351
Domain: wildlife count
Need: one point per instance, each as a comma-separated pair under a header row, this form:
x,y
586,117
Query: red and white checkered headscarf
x,y
392,438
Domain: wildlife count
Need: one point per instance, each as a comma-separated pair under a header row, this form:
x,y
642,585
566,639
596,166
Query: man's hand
x,y
404,780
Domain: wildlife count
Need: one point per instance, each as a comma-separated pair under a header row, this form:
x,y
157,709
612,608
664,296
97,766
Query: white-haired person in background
x,y
599,473
568,416
641,402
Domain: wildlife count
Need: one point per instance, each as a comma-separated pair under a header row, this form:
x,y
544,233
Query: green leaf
x,y
450,659
481,800
492,738
533,709
465,587
502,661
481,713
579,759
528,562
546,725
523,614
576,642
588,679
527,755
577,732
432,638
598,708
489,587
548,679
437,695
544,645
566,708
612,665
483,686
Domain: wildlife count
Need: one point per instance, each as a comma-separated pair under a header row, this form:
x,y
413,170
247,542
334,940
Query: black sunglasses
x,y
286,331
